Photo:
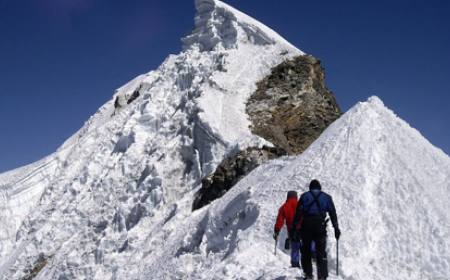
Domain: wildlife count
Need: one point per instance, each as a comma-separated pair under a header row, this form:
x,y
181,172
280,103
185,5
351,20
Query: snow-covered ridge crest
x,y
220,25
114,202
389,185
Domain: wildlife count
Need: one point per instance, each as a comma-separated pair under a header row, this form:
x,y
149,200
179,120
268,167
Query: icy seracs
x,y
129,166
114,202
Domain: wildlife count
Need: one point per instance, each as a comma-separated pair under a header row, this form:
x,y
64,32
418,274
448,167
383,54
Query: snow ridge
x,y
218,25
114,202
389,185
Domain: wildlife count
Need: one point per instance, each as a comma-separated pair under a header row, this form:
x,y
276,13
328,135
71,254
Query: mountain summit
x,y
389,185
115,200
220,25
144,151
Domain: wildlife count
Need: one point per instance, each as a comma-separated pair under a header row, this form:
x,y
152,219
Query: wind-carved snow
x,y
389,185
19,190
131,169
114,202
217,23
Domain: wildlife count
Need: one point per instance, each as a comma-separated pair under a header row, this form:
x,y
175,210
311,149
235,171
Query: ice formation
x,y
114,202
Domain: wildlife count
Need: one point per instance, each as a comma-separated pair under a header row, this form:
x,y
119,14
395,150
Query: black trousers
x,y
314,229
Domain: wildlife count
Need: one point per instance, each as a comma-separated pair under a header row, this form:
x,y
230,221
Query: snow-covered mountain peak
x,y
135,164
388,183
374,117
218,25
370,111
115,201
375,100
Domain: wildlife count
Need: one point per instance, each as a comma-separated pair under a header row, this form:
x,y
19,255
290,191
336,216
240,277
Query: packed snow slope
x,y
114,202
390,186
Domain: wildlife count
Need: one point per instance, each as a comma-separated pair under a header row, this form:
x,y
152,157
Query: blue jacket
x,y
307,207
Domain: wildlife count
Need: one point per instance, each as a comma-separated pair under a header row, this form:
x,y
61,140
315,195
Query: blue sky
x,y
62,59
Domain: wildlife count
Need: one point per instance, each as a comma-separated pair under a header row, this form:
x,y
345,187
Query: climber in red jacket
x,y
286,214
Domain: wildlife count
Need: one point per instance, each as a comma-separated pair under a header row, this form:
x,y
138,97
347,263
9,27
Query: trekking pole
x,y
276,241
337,257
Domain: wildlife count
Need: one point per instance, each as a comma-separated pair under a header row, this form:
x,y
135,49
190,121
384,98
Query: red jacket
x,y
286,213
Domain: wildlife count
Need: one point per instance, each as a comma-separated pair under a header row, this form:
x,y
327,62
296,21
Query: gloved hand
x,y
291,234
275,235
337,233
294,235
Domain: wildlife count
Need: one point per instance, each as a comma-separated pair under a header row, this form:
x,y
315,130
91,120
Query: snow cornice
x,y
218,25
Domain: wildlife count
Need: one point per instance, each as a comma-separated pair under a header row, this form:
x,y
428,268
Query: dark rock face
x,y
292,106
122,101
37,267
116,103
133,96
230,171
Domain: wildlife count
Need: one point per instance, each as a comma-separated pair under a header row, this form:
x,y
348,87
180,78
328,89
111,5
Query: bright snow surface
x,y
114,202
390,186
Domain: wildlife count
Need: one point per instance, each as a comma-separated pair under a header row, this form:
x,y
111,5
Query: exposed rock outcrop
x,y
292,106
230,171
133,96
122,100
38,266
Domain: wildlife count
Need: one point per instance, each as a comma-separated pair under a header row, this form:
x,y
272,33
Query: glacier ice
x,y
114,201
129,165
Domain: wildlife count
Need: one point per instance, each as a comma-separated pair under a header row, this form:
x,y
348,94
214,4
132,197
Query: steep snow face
x,y
218,24
114,202
91,209
19,190
390,187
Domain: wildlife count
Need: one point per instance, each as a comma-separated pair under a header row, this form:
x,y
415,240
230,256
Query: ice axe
x,y
337,257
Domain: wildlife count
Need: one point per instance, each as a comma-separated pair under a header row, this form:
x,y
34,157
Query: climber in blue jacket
x,y
311,213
